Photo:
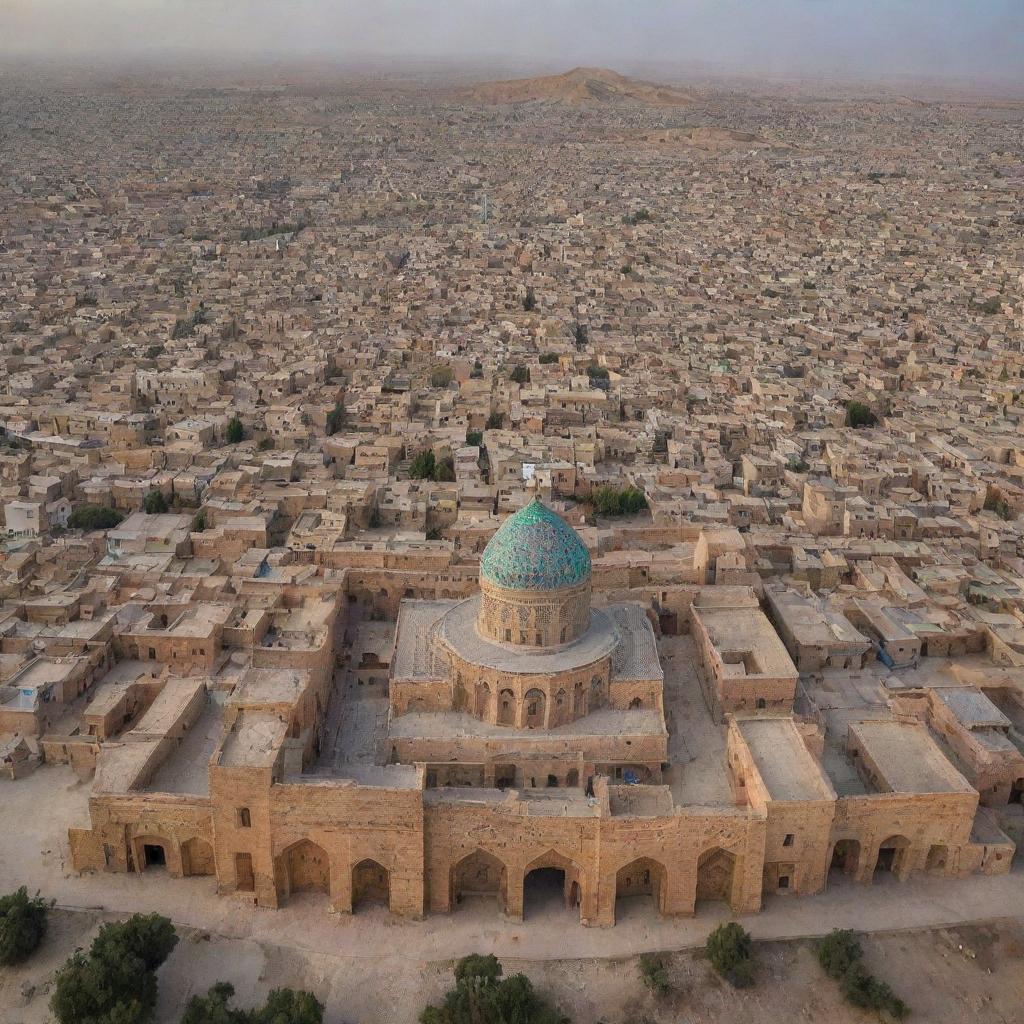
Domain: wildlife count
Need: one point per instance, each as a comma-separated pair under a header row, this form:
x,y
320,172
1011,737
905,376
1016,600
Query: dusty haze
x,y
982,39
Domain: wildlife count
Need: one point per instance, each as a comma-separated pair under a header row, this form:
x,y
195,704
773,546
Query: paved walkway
x,y
34,852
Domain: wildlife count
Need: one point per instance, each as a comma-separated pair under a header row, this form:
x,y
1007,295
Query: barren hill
x,y
581,85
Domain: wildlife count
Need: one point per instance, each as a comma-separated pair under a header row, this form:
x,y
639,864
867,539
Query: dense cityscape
x,y
481,510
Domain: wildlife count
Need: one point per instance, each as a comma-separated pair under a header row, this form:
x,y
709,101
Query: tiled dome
x,y
535,550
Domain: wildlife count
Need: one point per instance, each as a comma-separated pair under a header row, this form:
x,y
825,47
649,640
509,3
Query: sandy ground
x,y
947,976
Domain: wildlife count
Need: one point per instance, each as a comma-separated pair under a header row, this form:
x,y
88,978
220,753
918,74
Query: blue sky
x,y
861,37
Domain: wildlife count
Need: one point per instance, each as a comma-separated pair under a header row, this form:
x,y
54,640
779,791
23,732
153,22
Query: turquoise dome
x,y
535,549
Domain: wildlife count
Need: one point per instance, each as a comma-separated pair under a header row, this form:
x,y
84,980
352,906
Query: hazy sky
x,y
936,37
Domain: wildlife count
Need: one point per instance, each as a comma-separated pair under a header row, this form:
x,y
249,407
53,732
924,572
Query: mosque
x,y
522,747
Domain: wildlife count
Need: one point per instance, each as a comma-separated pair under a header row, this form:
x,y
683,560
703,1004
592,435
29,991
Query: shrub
x,y
653,973
213,1007
266,444
22,925
481,995
520,375
335,419
610,501
116,980
423,466
548,357
474,437
638,217
838,951
444,470
991,305
859,415
283,1006
94,517
729,950
235,431
1000,506
290,1006
199,522
861,989
441,376
154,503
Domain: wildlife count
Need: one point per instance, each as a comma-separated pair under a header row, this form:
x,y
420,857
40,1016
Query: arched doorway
x,y
938,859
308,867
371,884
151,852
641,882
506,708
845,857
551,886
893,857
197,857
715,871
479,875
560,713
535,704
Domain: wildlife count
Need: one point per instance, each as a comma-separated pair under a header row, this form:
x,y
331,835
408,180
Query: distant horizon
x,y
451,69
937,40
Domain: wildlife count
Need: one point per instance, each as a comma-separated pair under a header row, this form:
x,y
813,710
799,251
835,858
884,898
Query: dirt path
x,y
947,976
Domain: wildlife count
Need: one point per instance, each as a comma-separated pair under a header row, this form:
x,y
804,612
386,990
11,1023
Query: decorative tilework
x,y
535,550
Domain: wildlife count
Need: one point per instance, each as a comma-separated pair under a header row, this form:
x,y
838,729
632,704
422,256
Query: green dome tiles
x,y
535,550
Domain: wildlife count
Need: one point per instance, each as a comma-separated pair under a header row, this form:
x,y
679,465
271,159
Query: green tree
x,y
283,1006
423,465
441,376
154,503
580,335
654,974
235,431
529,301
474,437
94,517
729,950
520,375
115,983
22,925
838,951
482,996
548,357
444,470
862,989
289,1006
859,415
199,521
335,419
213,1008
610,501
495,420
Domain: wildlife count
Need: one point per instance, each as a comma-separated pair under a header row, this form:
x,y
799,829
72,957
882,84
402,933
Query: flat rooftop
x,y
907,758
783,761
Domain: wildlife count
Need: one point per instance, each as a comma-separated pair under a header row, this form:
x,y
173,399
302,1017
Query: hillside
x,y
581,86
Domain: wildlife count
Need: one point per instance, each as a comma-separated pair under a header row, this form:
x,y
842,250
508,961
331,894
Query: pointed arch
x,y
643,877
716,871
371,883
479,873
